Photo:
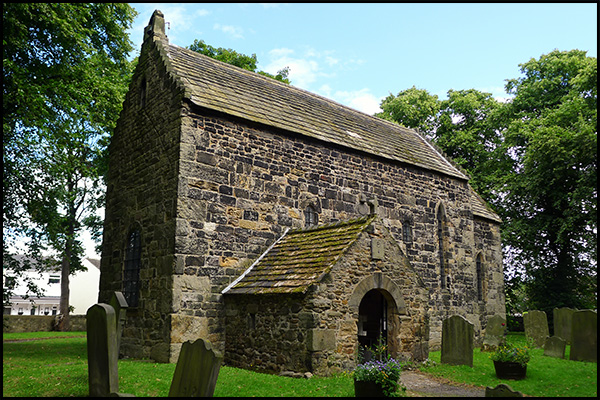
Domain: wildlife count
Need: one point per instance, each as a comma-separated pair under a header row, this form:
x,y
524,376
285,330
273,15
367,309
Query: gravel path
x,y
419,384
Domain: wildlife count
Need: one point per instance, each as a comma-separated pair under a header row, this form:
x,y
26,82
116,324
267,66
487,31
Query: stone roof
x,y
299,259
222,87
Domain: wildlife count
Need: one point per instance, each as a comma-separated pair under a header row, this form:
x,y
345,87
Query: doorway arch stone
x,y
395,307
377,281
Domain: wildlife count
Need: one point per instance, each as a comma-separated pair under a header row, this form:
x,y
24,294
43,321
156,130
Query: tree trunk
x,y
65,323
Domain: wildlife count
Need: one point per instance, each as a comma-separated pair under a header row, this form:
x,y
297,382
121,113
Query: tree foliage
x,y
65,73
240,60
534,159
551,187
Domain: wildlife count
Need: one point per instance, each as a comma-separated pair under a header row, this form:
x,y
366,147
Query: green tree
x,y
65,73
550,190
534,159
464,126
412,108
232,57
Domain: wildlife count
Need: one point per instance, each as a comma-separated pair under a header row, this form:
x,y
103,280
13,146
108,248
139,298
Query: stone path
x,y
419,384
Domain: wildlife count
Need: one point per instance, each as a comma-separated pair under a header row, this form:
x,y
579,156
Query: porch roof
x,y
299,259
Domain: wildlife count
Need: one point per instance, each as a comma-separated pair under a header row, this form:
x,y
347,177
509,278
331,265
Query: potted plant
x,y
378,373
377,378
510,360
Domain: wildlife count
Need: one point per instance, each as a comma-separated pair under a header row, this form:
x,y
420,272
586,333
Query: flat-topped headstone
x,y
494,332
555,347
584,336
457,341
502,390
563,318
102,350
536,327
197,370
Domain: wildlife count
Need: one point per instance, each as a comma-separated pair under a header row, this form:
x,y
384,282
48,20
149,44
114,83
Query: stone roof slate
x,y
235,91
299,259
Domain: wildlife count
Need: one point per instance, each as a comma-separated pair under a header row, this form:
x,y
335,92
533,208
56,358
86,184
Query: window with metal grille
x,y
131,269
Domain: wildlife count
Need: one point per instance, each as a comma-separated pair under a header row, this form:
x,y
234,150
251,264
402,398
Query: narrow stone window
x,y
252,321
440,235
406,232
131,270
311,218
479,273
143,93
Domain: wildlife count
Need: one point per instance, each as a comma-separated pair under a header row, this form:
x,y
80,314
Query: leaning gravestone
x,y
494,333
102,350
502,390
555,347
197,370
536,327
457,341
584,336
563,318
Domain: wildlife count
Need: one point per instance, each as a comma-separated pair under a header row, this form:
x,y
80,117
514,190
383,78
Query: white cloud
x,y
202,13
235,31
361,100
303,71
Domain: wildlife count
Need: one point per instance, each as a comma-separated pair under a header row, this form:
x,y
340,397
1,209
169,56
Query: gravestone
x,y
119,304
457,341
494,333
197,370
102,350
536,327
555,347
584,336
563,318
502,390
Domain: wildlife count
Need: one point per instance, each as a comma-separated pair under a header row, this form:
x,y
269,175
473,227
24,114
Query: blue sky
x,y
357,54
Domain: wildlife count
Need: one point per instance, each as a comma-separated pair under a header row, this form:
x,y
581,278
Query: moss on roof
x,y
300,258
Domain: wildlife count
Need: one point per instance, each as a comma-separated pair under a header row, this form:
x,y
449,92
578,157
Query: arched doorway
x,y
372,322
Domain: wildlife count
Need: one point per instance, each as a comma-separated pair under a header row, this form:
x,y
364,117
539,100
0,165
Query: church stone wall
x,y
141,194
241,185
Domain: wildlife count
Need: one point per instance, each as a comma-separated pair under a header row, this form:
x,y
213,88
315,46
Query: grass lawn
x,y
546,376
57,367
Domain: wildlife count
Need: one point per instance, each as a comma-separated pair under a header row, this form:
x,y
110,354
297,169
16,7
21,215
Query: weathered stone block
x,y
320,339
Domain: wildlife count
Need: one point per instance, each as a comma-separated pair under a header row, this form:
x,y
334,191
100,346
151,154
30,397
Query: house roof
x,y
299,259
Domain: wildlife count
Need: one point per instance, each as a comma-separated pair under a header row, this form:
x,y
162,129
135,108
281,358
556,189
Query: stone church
x,y
285,228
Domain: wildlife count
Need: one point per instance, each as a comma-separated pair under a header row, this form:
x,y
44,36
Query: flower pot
x,y
367,389
510,370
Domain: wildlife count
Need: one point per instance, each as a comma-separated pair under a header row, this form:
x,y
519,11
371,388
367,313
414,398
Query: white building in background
x,y
83,288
